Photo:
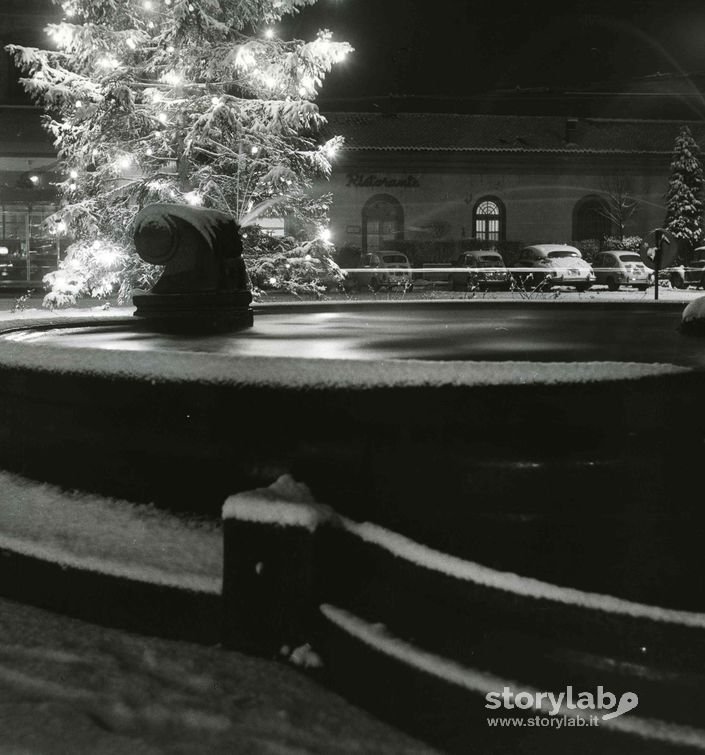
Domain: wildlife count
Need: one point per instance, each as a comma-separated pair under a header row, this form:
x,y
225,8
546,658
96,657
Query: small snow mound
x,y
287,488
285,503
693,318
305,657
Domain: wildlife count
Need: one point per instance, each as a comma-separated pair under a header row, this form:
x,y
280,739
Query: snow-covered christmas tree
x,y
684,198
186,101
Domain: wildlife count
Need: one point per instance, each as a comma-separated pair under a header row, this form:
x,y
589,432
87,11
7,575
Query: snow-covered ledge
x,y
269,567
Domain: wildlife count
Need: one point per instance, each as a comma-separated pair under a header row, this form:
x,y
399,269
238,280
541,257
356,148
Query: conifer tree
x,y
183,101
684,198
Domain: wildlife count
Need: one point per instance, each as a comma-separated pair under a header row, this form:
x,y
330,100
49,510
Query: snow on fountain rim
x,y
288,502
695,310
18,351
108,536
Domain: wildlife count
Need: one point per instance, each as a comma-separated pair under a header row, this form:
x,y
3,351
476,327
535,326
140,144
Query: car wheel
x,y
642,288
612,284
581,287
375,285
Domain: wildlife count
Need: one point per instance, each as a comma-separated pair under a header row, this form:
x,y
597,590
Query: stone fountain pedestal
x,y
204,286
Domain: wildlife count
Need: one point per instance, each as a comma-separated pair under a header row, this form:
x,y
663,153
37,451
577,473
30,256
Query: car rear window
x,y
397,258
630,258
490,260
563,253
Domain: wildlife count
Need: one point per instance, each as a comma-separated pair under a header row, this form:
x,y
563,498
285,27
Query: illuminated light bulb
x,y
108,62
34,179
269,33
72,187
254,150
150,151
307,258
150,25
61,227
193,198
79,103
73,174
215,101
62,36
272,281
158,134
163,117
173,78
326,235
148,5
125,161
244,58
167,2
191,8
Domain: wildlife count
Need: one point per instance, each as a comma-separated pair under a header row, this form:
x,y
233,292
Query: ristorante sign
x,y
373,180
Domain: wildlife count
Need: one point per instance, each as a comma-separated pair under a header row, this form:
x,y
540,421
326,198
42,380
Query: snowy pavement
x,y
71,687
68,687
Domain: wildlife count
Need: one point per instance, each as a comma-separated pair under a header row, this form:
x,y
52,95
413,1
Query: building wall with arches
x,y
518,179
508,204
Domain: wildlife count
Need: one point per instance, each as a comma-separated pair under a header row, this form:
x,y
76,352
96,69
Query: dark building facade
x,y
509,179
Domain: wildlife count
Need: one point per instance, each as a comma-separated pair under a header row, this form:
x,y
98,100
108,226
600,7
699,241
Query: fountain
x,y
556,441
204,284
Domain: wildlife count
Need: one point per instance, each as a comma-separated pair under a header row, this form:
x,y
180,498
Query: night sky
x,y
462,47
455,49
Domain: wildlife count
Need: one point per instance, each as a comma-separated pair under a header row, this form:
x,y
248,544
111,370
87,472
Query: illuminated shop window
x,y
27,249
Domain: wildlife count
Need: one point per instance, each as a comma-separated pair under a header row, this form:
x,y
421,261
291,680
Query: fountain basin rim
x,y
460,304
183,367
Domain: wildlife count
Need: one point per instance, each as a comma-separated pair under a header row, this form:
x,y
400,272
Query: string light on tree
x,y
155,119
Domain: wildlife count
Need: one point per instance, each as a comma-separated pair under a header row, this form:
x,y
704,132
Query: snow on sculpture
x,y
204,285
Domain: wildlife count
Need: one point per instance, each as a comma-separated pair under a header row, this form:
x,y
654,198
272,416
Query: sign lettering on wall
x,y
372,180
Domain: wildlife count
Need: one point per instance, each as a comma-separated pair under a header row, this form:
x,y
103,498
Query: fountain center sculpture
x,y
204,286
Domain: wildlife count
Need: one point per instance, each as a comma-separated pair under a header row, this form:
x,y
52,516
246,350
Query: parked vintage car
x,y
383,269
485,269
547,265
615,268
692,274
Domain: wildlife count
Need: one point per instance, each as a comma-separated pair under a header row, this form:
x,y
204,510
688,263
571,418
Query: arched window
x,y
382,221
591,220
488,219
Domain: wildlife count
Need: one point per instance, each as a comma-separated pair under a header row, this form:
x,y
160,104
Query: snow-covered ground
x,y
32,307
70,687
